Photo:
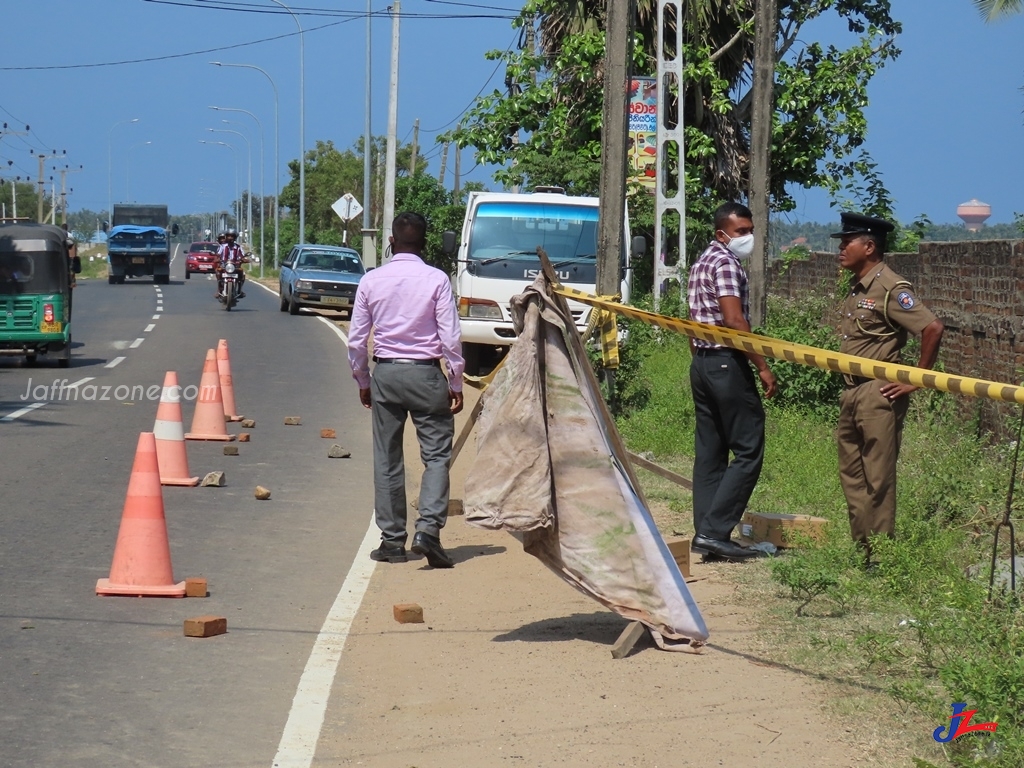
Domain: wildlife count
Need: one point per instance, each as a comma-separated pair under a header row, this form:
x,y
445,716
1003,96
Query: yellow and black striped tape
x,y
812,356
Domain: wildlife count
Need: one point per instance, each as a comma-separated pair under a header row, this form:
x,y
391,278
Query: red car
x,y
201,257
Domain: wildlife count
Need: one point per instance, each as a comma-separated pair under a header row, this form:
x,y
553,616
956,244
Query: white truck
x,y
497,259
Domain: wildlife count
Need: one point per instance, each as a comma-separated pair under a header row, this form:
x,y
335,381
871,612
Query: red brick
x,y
328,434
408,613
205,626
196,587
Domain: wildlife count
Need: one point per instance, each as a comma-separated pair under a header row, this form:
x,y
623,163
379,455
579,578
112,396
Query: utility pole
x,y
389,161
444,163
42,188
369,234
458,168
64,193
759,191
415,146
615,124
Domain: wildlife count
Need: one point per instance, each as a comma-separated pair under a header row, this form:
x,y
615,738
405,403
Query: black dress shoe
x,y
729,551
430,547
389,553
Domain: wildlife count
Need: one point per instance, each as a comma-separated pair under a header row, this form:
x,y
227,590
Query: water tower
x,y
974,212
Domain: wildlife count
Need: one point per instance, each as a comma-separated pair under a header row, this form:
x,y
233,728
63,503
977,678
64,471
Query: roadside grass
x,y
896,647
94,262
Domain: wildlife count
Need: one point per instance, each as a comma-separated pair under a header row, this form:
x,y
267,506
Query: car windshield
x,y
203,248
330,261
503,230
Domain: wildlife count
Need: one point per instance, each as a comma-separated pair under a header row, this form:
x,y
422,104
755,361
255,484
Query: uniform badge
x,y
905,300
866,304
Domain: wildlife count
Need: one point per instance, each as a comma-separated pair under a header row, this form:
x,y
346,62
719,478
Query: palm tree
x,y
993,9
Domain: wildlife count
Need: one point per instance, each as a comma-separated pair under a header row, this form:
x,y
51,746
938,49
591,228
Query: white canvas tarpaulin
x,y
552,470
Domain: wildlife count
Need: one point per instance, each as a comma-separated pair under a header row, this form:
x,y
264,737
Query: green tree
x,y
553,99
27,198
993,9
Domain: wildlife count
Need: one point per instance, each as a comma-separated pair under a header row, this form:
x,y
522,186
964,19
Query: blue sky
x,y
946,121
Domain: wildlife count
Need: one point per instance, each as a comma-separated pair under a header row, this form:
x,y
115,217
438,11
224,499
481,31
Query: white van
x,y
497,258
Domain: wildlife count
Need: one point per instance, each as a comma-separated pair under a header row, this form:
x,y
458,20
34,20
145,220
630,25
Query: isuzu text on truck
x,y
138,243
497,259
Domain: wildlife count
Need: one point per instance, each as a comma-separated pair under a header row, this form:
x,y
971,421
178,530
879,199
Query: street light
x,y
238,210
302,126
277,160
127,169
110,194
263,205
248,148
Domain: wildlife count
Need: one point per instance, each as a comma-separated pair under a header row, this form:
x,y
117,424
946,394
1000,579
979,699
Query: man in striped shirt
x,y
727,405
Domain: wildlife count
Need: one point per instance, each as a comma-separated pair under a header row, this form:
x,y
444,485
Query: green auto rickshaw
x,y
36,278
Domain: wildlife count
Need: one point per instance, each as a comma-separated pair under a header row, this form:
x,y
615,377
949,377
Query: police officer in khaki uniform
x,y
881,308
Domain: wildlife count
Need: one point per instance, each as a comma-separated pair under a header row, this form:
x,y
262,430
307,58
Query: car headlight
x,y
479,309
304,285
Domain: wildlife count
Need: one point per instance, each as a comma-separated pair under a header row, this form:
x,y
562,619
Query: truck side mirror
x,y
174,229
448,243
76,264
638,247
105,226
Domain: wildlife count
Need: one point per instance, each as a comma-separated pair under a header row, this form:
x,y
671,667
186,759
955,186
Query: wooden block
x,y
196,587
206,626
680,549
781,529
328,434
408,613
629,637
292,421
244,437
230,450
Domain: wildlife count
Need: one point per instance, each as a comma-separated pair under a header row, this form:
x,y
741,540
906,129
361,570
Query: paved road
x,y
91,681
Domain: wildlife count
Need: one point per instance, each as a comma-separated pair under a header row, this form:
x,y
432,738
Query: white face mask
x,y
742,246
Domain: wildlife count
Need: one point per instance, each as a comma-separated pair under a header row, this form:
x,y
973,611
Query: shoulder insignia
x,y
905,300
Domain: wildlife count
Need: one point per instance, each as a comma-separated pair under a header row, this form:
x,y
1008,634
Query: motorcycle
x,y
231,281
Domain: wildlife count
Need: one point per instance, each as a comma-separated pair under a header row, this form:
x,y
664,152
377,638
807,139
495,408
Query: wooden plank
x,y
668,474
467,428
629,637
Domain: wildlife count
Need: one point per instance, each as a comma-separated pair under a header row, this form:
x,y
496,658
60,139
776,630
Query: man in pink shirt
x,y
415,322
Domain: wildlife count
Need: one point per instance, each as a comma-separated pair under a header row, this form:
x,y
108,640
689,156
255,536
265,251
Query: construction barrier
x,y
805,355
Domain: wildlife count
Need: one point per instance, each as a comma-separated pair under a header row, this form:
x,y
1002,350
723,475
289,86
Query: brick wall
x,y
976,288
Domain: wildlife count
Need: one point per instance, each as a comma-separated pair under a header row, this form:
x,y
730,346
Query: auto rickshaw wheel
x,y
64,361
31,359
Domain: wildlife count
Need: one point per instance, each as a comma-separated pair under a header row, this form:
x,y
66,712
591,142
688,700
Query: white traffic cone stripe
x,y
168,430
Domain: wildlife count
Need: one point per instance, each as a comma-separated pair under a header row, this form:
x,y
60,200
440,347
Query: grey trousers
x,y
420,391
729,418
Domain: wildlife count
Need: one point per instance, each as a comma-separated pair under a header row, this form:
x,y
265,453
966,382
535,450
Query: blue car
x,y
320,277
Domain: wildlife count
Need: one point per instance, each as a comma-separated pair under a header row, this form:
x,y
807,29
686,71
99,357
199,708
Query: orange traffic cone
x,y
170,436
142,556
208,419
227,386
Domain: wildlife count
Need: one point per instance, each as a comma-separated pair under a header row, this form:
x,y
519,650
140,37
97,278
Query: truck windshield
x,y
32,272
567,233
138,240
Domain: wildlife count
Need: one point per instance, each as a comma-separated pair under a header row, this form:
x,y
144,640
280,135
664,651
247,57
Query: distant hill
x,y
816,236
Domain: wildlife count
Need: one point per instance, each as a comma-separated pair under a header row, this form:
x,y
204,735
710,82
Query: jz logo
x,y
960,725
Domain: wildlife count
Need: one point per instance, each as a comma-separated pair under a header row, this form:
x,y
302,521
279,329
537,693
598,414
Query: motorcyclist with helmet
x,y
230,251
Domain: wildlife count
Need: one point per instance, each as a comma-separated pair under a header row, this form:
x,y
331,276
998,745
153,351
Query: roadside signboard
x,y
643,131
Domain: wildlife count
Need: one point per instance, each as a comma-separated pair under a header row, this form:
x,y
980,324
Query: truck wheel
x,y
471,354
111,279
120,279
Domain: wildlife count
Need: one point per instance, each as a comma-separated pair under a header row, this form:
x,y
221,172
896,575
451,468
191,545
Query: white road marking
x,y
156,317
136,344
306,718
22,411
80,382
116,361
297,747
159,309
159,301
120,344
149,328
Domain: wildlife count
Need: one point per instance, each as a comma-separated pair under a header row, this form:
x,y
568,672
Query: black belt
x,y
717,351
406,361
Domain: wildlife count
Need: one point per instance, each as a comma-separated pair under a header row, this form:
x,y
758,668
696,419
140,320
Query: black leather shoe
x,y
430,547
729,551
389,553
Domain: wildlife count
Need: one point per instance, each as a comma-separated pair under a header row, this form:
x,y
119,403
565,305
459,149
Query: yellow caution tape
x,y
603,322
806,355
